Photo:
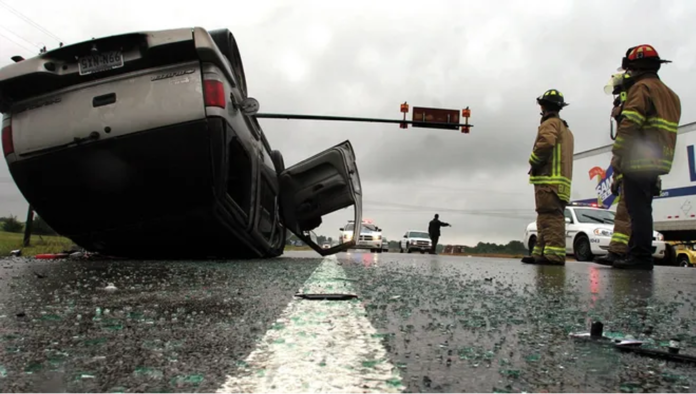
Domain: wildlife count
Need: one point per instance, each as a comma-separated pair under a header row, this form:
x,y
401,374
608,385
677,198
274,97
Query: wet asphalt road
x,y
449,324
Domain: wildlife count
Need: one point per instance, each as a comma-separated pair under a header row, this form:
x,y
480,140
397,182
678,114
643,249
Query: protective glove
x,y
657,187
615,185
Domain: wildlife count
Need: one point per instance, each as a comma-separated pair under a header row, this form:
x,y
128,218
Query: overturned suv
x,y
145,145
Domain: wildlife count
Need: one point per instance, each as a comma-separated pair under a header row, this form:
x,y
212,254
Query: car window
x,y
349,227
418,234
594,216
568,214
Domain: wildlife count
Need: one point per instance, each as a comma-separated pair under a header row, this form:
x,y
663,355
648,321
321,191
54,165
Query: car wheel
x,y
422,251
228,46
532,243
670,257
408,248
683,261
582,249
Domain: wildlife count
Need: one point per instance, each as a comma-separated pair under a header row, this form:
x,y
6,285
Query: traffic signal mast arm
x,y
427,119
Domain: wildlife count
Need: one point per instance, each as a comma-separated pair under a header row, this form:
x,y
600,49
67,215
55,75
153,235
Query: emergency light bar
x,y
584,204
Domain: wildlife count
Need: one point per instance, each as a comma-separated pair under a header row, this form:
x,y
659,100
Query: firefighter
x,y
551,174
622,221
644,148
434,232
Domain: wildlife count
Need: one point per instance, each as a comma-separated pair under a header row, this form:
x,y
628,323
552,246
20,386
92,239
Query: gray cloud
x,y
365,58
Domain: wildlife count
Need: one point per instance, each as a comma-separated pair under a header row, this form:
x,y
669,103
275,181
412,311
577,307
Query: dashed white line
x,y
319,346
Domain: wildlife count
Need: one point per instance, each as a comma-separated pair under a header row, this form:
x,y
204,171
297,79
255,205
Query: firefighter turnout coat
x,y
647,134
552,156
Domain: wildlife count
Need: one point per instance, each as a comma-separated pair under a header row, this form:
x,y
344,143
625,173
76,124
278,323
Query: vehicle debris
x,y
596,335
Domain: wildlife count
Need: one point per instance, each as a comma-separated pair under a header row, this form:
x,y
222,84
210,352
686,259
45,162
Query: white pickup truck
x,y
415,240
588,232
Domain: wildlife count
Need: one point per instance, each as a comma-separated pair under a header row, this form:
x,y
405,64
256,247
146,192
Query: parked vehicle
x,y
145,145
370,236
674,211
685,253
415,240
588,232
385,244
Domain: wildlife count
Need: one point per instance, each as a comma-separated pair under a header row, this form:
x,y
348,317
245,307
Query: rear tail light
x,y
214,93
7,142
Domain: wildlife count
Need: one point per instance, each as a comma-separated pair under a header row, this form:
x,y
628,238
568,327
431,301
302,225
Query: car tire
x,y
279,164
225,41
532,243
582,249
408,248
670,257
400,250
683,261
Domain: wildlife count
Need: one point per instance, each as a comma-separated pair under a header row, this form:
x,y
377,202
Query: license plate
x,y
100,62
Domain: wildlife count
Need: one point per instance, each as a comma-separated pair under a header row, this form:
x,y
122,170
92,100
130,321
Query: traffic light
x,y
466,113
404,110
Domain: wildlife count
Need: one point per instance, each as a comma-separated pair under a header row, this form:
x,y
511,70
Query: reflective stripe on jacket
x,y
552,156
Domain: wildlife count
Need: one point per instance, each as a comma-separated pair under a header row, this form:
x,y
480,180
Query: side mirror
x,y
405,236
340,229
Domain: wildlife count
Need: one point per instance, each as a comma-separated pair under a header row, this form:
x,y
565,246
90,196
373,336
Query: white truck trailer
x,y
674,211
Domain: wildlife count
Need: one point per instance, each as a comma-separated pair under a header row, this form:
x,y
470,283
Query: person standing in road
x,y
551,174
434,232
622,221
644,148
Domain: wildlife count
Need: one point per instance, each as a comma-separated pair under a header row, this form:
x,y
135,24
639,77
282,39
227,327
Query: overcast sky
x,y
364,58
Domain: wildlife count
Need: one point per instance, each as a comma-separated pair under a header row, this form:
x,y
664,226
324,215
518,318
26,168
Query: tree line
x,y
11,224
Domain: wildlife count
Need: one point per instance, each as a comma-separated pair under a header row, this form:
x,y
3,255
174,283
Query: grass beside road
x,y
39,244
290,248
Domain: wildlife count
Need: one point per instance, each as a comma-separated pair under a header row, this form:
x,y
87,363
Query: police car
x,y
588,232
370,236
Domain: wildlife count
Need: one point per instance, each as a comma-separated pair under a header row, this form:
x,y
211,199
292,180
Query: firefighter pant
x,y
550,225
639,196
622,226
434,239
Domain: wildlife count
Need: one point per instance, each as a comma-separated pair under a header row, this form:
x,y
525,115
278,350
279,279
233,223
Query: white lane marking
x,y
319,346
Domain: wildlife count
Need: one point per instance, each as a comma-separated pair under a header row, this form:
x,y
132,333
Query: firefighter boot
x,y
609,258
631,263
528,260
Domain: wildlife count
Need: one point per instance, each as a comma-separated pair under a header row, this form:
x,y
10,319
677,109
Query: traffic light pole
x,y
354,119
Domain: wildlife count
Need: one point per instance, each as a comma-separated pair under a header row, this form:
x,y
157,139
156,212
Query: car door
x,y
318,186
